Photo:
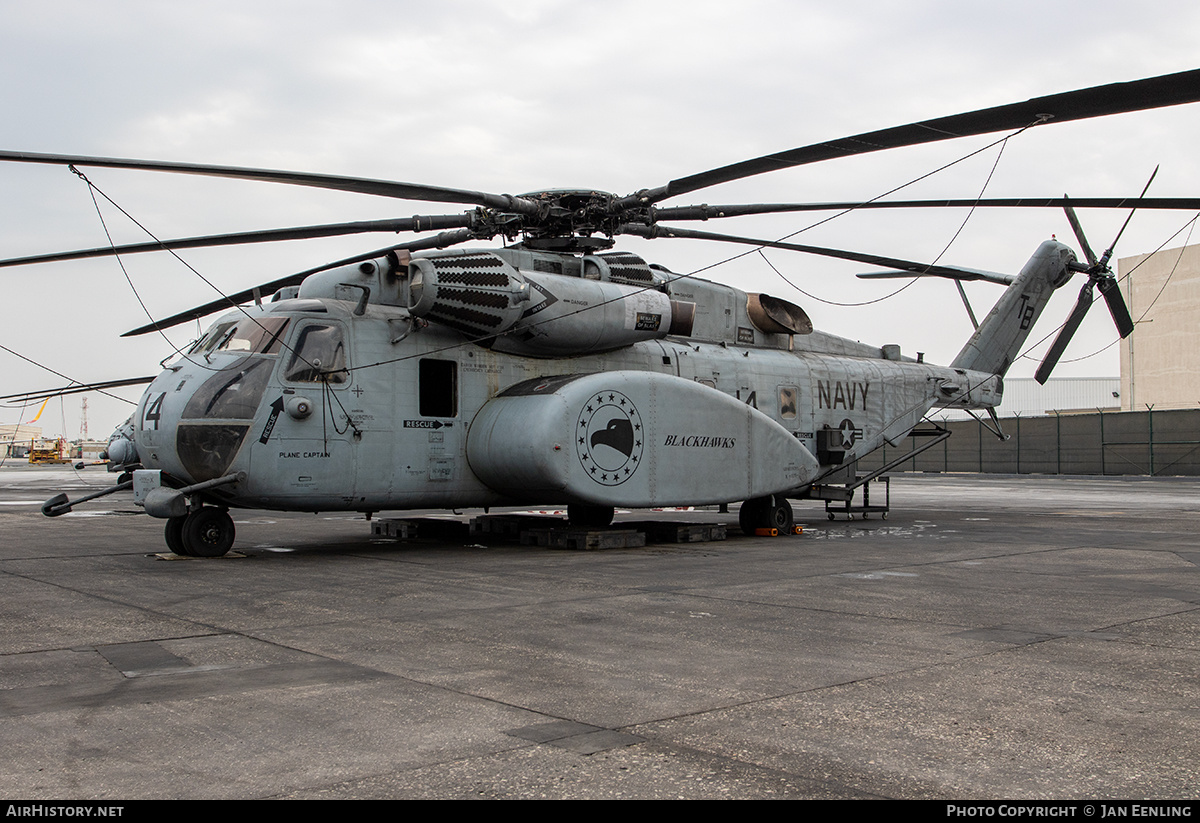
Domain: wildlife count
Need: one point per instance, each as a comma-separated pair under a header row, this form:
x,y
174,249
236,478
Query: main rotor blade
x,y
1082,304
1098,101
707,212
960,274
1116,305
439,241
29,397
419,223
362,185
641,230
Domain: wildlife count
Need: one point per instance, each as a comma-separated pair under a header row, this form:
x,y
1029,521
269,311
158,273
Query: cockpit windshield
x,y
233,392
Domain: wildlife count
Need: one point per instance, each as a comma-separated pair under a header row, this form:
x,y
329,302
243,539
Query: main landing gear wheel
x,y
773,512
208,532
593,517
174,535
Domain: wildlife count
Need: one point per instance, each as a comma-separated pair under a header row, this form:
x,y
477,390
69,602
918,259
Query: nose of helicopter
x,y
192,421
194,417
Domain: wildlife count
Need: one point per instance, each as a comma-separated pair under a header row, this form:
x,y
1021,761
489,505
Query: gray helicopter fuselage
x,y
339,402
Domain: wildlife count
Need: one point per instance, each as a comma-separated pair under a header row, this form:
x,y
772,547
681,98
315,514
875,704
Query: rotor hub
x,y
570,218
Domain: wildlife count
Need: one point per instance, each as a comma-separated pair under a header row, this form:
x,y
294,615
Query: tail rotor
x,y
1099,275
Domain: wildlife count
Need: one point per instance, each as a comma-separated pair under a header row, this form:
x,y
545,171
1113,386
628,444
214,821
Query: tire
x,y
595,517
772,512
779,513
753,515
174,535
208,532
746,517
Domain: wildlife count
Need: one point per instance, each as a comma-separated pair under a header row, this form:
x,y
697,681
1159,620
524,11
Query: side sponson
x,y
631,438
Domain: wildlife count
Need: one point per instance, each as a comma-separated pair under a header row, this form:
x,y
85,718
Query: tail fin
x,y
998,340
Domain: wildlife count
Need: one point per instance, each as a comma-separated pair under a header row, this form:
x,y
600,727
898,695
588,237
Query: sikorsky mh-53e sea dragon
x,y
554,371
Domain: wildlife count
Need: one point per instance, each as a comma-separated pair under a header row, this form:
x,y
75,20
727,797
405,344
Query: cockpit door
x,y
304,442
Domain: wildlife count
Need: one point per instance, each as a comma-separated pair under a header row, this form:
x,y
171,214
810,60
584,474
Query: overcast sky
x,y
520,96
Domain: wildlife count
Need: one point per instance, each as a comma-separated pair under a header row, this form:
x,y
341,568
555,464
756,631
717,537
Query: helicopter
x,y
556,370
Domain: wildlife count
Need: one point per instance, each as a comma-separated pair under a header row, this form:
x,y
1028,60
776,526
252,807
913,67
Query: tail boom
x,y
998,340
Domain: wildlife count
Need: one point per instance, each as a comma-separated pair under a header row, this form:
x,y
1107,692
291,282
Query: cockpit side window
x,y
319,355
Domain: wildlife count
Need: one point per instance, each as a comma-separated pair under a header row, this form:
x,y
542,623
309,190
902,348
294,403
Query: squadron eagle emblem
x,y
609,438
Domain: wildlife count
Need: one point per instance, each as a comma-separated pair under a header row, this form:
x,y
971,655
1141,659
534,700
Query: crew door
x,y
306,447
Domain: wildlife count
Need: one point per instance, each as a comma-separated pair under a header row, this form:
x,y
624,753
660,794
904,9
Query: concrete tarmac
x,y
995,637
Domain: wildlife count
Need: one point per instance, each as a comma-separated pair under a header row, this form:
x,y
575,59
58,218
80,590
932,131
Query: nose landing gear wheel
x,y
208,532
174,535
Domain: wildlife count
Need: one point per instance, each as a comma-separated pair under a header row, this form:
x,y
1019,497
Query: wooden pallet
x,y
584,539
409,528
668,532
510,526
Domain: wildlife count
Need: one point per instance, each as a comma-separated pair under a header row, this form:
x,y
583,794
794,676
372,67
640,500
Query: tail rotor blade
x,y
1078,229
1065,334
1116,305
1113,245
